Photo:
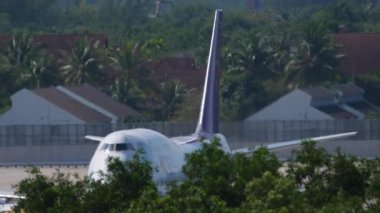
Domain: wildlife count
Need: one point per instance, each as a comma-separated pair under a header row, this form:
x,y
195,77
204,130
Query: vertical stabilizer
x,y
208,123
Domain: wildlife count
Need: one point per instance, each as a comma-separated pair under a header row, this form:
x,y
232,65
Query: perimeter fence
x,y
255,132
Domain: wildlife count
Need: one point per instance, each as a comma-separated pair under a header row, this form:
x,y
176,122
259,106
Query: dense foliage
x,y
311,181
269,47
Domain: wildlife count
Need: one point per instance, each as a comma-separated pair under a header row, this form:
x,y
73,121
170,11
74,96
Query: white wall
x,y
29,108
292,106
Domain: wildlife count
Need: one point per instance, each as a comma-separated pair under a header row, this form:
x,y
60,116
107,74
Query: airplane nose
x,y
122,156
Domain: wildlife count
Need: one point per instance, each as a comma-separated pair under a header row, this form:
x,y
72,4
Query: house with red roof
x,y
361,51
340,101
64,105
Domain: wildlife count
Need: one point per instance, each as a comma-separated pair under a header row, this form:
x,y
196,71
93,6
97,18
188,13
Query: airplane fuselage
x,y
166,155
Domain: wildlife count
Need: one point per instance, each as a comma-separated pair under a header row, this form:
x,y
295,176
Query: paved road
x,y
11,176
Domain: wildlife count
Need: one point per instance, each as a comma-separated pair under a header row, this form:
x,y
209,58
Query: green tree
x,y
252,69
191,198
133,86
210,169
129,13
172,96
22,12
280,44
346,14
238,92
189,108
371,170
347,176
118,187
27,64
42,72
313,174
4,22
83,15
44,194
328,180
313,181
316,60
82,64
272,193
218,174
4,83
252,57
123,183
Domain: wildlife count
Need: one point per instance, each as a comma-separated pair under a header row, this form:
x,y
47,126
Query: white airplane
x,y
167,155
8,200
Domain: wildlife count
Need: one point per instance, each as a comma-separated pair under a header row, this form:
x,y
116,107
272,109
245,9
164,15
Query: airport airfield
x,y
10,176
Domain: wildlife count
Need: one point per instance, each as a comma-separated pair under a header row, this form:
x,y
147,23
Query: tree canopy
x,y
313,180
268,48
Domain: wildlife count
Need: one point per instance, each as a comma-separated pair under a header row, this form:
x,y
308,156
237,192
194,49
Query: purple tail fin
x,y
208,122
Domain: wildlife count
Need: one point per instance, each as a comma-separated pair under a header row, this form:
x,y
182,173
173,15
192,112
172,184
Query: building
x,y
361,51
182,69
341,101
64,105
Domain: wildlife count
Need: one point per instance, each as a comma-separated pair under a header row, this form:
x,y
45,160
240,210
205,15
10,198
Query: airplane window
x,y
111,147
117,147
104,147
121,147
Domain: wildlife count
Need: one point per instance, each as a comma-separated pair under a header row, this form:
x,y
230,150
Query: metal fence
x,y
258,131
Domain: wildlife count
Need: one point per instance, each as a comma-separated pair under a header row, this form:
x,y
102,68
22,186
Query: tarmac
x,y
11,176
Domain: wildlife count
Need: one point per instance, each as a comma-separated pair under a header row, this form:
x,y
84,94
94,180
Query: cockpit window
x,y
117,147
121,147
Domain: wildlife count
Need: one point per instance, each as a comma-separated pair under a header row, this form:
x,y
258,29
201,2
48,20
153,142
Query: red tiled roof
x,y
102,100
55,43
81,110
69,104
177,68
361,52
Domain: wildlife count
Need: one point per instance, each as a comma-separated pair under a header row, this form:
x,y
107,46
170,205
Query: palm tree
x,y
42,72
127,93
28,63
253,57
132,85
19,53
23,64
172,95
5,81
316,60
83,64
20,49
242,84
279,51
